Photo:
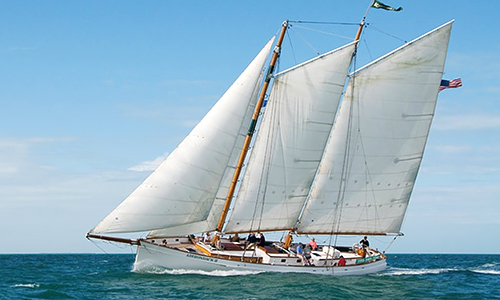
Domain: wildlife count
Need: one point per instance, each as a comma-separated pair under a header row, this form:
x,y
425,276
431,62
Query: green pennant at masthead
x,y
378,4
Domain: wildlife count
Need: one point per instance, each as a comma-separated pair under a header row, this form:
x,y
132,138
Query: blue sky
x,y
93,94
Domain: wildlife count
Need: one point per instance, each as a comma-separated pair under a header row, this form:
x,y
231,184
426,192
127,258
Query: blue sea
x,y
112,276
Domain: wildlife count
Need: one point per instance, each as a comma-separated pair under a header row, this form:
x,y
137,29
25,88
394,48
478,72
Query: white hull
x,y
152,255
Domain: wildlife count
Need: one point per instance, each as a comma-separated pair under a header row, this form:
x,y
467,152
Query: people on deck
x,y
313,245
307,255
164,242
261,240
341,262
207,238
235,238
364,242
301,254
194,239
251,239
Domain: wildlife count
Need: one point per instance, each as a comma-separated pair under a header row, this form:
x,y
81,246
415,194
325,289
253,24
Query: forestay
x,y
373,156
290,143
180,195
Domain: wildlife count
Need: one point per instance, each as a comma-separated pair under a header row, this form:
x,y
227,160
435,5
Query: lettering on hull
x,y
202,258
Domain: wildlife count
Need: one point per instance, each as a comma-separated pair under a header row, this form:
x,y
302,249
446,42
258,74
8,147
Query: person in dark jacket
x,y
364,242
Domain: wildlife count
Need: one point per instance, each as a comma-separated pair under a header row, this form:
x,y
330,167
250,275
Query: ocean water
x,y
112,276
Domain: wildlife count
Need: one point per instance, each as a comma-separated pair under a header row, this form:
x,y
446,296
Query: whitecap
x,y
489,265
28,285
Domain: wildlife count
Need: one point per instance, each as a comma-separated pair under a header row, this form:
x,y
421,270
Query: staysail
x,y
188,188
371,162
290,143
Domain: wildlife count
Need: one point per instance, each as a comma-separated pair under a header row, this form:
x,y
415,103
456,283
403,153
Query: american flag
x,y
449,84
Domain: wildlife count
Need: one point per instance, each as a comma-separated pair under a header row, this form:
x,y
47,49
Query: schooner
x,y
335,153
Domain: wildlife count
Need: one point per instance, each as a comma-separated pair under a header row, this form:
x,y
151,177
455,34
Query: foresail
x,y
371,162
290,142
190,185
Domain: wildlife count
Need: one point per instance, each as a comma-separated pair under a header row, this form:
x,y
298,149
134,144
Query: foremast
x,y
251,130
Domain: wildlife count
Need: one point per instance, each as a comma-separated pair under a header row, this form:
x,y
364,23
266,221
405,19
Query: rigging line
x,y
325,32
267,166
347,166
368,50
264,179
95,244
386,33
390,244
342,186
291,46
257,129
307,43
368,178
326,23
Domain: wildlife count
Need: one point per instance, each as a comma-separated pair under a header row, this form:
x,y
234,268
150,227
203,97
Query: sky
x,y
95,94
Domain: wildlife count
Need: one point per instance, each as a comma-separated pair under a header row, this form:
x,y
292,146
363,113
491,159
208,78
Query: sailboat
x,y
335,153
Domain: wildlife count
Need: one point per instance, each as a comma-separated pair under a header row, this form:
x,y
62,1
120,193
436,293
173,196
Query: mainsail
x,y
371,162
290,143
187,190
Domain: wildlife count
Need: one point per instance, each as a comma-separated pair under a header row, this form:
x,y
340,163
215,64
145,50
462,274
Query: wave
x,y
402,271
489,265
28,285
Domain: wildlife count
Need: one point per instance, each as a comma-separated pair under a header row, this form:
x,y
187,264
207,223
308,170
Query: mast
x,y
289,237
362,23
251,130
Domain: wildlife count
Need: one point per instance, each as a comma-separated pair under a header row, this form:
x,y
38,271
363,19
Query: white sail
x,y
290,143
184,188
373,156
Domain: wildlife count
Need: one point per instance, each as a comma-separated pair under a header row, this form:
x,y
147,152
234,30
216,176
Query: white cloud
x,y
149,165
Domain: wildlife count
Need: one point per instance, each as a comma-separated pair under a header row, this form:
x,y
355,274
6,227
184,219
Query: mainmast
x,y
251,131
289,238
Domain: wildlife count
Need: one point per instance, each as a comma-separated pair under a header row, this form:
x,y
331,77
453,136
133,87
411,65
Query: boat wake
x,y
403,271
492,272
146,268
217,273
489,268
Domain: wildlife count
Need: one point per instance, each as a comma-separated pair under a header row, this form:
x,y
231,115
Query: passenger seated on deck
x,y
207,238
313,245
261,240
307,255
300,253
251,239
235,238
164,242
194,239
